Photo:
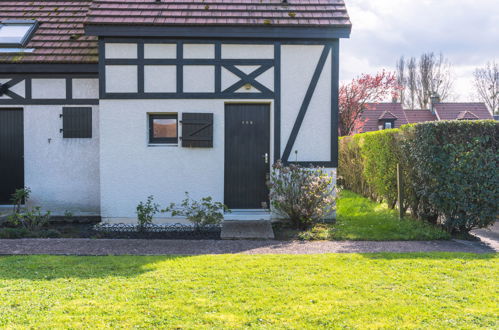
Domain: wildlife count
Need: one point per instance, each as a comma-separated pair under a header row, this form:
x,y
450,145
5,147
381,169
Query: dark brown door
x,y
247,155
11,153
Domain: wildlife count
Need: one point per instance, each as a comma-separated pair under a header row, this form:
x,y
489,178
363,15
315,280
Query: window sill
x,y
154,145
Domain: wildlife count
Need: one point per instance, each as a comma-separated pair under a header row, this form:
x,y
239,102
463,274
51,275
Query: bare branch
x,y
486,80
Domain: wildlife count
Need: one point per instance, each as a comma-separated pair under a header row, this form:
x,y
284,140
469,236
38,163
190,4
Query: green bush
x,y
449,170
454,172
205,212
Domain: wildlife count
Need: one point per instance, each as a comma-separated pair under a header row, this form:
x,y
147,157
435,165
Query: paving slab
x,y
247,229
103,247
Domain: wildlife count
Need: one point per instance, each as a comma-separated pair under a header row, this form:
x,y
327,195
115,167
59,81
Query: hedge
x,y
450,170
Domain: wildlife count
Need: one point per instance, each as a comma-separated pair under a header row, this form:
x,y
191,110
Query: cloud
x,y
466,31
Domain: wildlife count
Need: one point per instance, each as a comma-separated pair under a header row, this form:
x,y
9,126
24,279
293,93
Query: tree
x,y
432,74
486,81
354,96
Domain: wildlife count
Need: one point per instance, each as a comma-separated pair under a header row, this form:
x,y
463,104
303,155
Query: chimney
x,y
434,99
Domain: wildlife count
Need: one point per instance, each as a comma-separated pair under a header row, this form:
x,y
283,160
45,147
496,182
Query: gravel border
x,y
102,247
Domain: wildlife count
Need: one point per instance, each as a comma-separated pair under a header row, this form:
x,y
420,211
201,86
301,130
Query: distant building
x,y
379,116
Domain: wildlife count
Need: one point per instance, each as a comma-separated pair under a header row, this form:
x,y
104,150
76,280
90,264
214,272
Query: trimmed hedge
x,y
450,170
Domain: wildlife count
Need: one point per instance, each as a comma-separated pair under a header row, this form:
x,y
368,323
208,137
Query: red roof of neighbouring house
x,y
60,37
387,115
219,12
374,115
419,116
452,111
382,111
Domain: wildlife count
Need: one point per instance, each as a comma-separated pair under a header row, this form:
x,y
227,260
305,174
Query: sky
x,y
465,31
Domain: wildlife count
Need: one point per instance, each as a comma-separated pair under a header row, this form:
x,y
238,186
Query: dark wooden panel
x,y
247,155
197,130
11,153
77,122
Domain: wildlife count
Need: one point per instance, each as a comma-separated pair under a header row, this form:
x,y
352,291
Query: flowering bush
x,y
303,195
201,213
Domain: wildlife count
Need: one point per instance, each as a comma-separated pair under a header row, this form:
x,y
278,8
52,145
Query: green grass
x,y
438,290
360,219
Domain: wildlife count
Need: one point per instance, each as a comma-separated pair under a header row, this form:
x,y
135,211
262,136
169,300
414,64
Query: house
x,y
105,102
379,116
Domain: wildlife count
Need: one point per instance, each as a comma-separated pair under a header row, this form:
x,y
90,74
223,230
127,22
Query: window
x,y
16,33
76,123
163,129
388,125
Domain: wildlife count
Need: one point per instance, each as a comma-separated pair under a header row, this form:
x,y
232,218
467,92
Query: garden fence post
x,y
400,192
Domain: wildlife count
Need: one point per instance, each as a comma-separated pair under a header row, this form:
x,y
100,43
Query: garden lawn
x,y
360,219
439,290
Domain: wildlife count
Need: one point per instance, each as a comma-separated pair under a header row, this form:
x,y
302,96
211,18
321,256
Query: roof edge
x,y
7,68
215,31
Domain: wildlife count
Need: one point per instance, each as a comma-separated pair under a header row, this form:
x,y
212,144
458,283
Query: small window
x,y
163,129
16,33
77,123
388,125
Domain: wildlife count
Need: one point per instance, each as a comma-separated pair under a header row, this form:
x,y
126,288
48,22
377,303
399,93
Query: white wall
x,y
63,174
131,170
313,142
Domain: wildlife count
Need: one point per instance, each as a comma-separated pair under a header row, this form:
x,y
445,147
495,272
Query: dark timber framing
x,y
180,62
27,80
330,47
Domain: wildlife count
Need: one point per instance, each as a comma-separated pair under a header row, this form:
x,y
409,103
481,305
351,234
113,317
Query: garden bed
x,y
77,229
174,231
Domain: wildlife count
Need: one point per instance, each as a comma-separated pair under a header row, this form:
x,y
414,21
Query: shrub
x,y
146,212
200,213
379,153
449,169
19,197
303,195
454,171
32,219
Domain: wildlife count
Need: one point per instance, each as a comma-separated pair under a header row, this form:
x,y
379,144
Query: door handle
x,y
266,157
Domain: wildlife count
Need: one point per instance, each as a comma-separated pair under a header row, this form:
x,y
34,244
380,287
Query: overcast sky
x,y
466,31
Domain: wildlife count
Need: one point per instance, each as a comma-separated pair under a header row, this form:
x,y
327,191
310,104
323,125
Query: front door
x,y
247,155
11,153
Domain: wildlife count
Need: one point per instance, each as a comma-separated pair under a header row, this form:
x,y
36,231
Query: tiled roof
x,y
451,111
219,12
375,111
387,115
419,116
59,38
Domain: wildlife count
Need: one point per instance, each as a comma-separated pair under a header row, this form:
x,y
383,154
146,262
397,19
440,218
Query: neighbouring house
x,y
105,102
379,116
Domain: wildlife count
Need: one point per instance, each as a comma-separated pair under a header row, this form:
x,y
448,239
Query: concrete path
x,y
247,229
186,247
489,236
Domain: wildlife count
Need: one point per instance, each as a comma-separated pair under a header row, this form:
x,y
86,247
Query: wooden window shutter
x,y
197,130
76,123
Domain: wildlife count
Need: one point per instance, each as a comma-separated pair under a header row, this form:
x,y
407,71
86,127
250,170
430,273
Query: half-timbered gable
x,y
198,96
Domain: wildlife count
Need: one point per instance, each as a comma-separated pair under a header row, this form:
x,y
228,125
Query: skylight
x,y
16,33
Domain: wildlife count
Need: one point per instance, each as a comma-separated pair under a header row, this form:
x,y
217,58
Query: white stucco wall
x,y
63,174
131,170
313,141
